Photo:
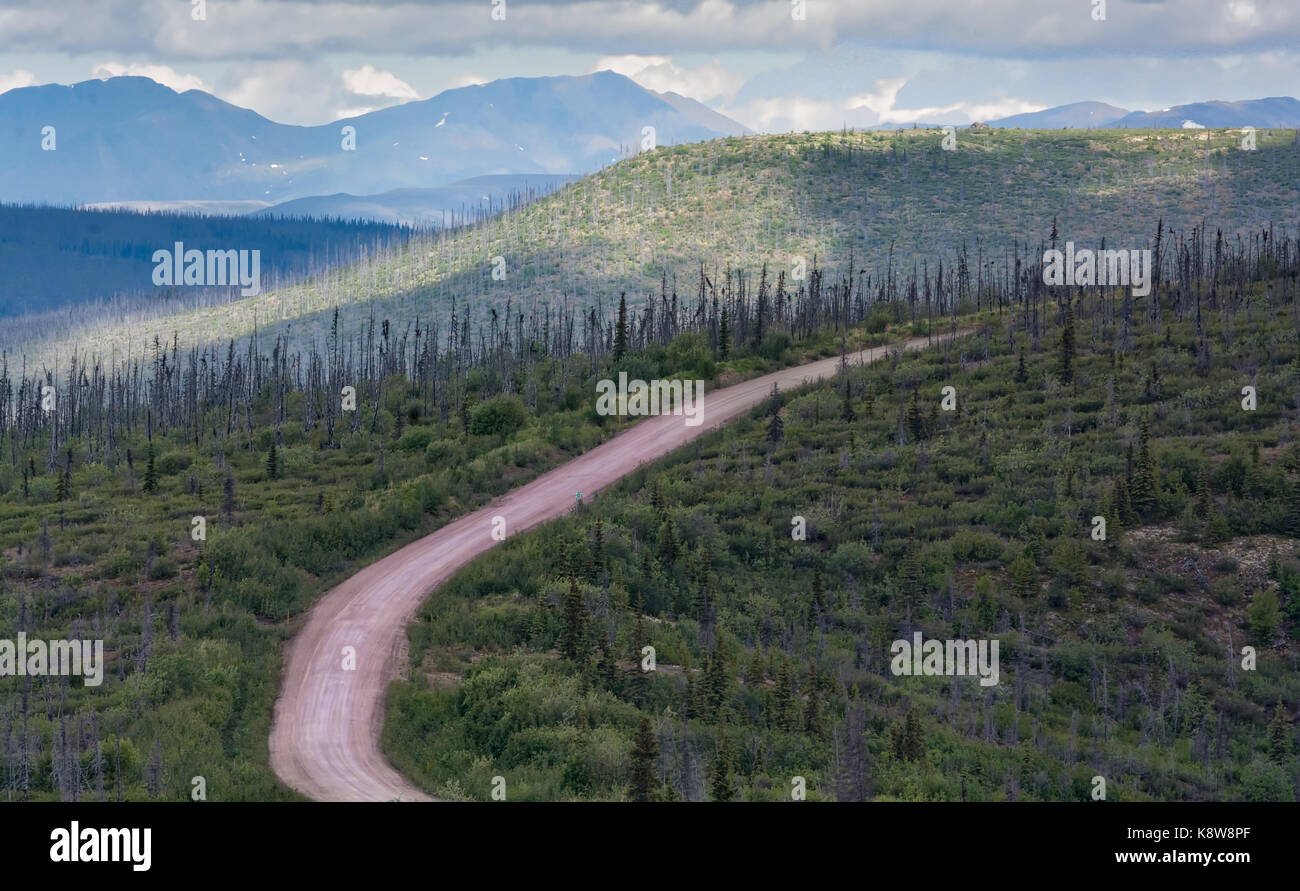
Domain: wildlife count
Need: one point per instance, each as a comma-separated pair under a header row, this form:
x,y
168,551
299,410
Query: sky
x,y
772,65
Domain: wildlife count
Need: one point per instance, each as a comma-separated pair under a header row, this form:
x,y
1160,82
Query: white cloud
x,y
468,79
866,109
369,81
306,92
163,74
341,113
659,73
279,29
16,79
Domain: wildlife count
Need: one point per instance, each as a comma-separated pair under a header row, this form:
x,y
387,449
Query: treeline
x,y
207,389
55,258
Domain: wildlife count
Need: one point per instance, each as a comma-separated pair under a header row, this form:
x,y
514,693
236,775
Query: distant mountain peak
x,y
1276,111
130,138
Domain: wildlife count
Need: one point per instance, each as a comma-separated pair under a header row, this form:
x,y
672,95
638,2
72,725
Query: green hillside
x,y
1120,658
741,202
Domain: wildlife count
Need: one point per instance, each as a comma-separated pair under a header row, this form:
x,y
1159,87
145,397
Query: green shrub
x,y
499,416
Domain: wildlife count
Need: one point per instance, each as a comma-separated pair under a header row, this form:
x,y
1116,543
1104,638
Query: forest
x,y
1161,659
1071,403
56,258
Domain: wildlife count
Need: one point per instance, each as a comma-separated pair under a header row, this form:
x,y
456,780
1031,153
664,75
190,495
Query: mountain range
x,y
433,207
132,139
1278,111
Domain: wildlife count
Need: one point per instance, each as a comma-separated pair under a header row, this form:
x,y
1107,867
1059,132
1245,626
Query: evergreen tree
x,y
228,506
911,573
1280,744
1291,518
782,712
724,336
721,788
667,543
1024,575
620,330
1142,492
575,614
150,471
775,427
913,737
272,463
847,413
915,420
754,675
644,760
1022,374
1123,506
598,549
1066,369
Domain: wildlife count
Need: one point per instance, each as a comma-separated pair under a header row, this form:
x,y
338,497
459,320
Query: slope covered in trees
x,y
1120,658
896,202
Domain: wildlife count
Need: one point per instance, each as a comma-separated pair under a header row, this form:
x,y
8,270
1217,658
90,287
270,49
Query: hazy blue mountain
x,y
131,139
702,115
425,207
1278,111
1076,115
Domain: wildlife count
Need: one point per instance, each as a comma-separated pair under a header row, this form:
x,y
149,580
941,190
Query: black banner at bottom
x,y
132,842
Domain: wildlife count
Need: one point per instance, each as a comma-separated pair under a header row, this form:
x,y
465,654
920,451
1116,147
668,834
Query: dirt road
x,y
328,719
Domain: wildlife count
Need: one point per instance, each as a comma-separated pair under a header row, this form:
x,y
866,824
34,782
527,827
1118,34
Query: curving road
x,y
328,719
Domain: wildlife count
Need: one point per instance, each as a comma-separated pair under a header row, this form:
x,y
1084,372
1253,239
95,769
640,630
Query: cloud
x,y
163,74
468,79
870,108
283,29
18,78
369,81
703,83
294,92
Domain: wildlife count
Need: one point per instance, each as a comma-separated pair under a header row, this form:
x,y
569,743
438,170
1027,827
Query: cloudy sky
x,y
773,65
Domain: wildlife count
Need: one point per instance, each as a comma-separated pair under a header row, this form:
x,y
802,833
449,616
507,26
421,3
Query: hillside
x,y
434,208
1119,658
737,204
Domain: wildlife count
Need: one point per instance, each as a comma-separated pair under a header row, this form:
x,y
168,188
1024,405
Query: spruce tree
x,y
272,463
1066,369
776,427
667,543
643,760
724,336
721,787
150,472
620,329
1022,374
754,675
575,610
913,737
1280,744
1142,492
1024,575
